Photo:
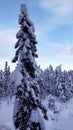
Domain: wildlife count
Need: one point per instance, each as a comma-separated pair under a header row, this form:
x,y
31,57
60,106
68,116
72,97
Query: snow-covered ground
x,y
6,112
62,120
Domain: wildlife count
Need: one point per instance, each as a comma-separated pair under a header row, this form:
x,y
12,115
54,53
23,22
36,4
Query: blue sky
x,y
53,20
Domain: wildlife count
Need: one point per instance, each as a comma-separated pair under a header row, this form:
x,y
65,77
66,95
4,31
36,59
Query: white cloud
x,y
57,6
56,54
7,36
66,52
62,12
56,50
7,42
56,45
61,50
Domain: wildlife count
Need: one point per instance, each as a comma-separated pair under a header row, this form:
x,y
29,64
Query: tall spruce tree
x,y
27,107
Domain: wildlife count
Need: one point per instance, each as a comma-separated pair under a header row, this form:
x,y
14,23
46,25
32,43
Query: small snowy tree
x,y
27,114
6,79
51,104
1,84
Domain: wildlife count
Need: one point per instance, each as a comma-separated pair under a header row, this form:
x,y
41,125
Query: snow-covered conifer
x,y
1,84
6,79
28,108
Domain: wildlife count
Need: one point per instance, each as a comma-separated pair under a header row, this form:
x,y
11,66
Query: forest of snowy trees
x,y
51,81
29,84
5,77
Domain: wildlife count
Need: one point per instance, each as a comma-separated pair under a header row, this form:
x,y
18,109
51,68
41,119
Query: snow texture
x,y
6,116
24,10
36,116
63,120
17,77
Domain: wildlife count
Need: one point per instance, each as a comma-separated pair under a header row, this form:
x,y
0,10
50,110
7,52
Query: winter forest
x,y
35,99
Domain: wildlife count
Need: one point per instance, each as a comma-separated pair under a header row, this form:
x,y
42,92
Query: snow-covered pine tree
x,y
6,79
46,80
1,84
28,108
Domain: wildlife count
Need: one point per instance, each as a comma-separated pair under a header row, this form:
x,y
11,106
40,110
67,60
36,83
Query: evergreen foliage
x,y
5,81
56,82
27,104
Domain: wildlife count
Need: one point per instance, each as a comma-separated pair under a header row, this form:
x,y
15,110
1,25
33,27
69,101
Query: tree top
x,y
24,9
